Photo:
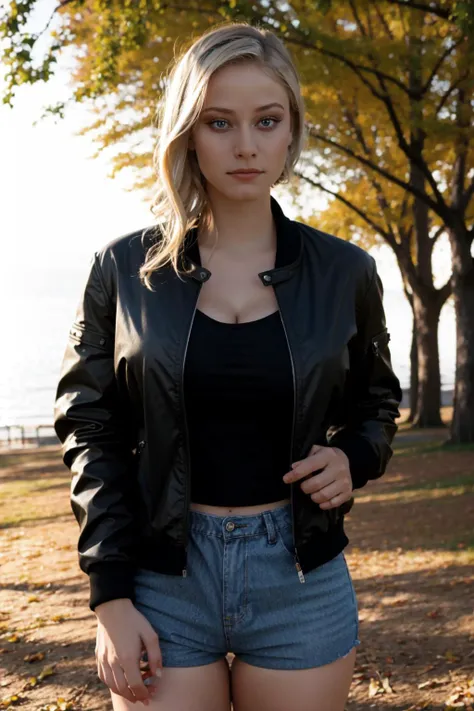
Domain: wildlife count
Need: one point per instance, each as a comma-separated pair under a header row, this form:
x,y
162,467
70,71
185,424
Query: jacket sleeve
x,y
90,424
372,394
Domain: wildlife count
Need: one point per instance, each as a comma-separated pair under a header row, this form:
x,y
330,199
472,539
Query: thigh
x,y
200,688
324,688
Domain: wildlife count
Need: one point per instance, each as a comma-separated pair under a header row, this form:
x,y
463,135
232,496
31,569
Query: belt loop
x,y
270,525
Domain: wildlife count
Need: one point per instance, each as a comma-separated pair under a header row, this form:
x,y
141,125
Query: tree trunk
x,y
426,313
462,426
413,376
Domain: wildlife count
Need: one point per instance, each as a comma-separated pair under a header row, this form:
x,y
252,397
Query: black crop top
x,y
238,390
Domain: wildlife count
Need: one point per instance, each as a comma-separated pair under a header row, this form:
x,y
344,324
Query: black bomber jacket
x,y
119,410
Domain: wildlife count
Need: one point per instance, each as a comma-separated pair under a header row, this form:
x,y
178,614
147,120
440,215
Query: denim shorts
x,y
242,595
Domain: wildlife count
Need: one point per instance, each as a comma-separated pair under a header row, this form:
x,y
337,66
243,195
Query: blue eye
x,y
274,121
211,123
269,118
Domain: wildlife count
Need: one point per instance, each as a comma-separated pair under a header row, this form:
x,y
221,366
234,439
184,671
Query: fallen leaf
x,y
386,685
451,657
46,671
374,688
430,684
37,657
6,703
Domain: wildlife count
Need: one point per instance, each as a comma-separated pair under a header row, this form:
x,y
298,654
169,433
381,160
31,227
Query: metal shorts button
x,y
230,525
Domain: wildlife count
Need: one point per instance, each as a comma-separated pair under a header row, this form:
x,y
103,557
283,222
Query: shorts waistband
x,y
237,526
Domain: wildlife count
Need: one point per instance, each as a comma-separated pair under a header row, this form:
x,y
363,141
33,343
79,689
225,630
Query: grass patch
x,y
32,517
17,489
430,447
459,480
431,494
24,456
461,544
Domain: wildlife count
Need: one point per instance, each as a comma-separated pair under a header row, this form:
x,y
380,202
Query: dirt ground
x,y
411,556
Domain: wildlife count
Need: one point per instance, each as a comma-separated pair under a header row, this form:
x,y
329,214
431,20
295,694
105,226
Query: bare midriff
x,y
238,510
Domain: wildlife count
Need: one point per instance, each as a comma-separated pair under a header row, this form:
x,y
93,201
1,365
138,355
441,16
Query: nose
x,y
245,145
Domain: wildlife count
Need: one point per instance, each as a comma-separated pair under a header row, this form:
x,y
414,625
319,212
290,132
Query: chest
x,y
235,293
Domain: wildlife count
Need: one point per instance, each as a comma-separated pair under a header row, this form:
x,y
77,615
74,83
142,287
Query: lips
x,y
245,172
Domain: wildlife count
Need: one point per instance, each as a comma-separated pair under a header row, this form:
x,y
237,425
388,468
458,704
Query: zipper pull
x,y
185,573
300,572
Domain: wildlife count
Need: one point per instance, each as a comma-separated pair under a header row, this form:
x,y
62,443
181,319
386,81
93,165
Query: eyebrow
x,y
223,110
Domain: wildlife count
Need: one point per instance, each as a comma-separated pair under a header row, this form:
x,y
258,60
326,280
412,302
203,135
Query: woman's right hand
x,y
122,633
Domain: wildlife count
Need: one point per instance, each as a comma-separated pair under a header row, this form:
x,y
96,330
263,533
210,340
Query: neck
x,y
242,226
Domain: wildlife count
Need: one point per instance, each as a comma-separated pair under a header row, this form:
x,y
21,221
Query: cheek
x,y
207,146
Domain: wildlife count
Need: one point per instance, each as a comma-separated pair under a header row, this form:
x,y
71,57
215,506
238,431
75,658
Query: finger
x,y
325,494
107,678
121,682
335,501
314,463
331,475
152,645
134,681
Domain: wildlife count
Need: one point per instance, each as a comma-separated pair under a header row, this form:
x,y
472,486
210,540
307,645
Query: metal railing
x,y
35,435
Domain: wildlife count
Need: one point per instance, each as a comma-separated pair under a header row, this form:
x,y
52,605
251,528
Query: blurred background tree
x,y
388,86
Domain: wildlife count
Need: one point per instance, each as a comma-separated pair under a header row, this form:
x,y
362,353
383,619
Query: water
x,y
38,308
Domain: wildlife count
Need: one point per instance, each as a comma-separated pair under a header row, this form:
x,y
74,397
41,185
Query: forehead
x,y
246,84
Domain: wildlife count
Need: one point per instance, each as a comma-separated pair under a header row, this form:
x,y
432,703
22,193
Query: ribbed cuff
x,y
110,581
363,461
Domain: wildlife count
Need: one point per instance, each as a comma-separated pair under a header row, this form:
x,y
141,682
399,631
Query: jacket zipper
x,y
297,560
188,457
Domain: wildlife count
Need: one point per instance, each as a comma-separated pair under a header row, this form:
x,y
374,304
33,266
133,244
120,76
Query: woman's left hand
x,y
332,486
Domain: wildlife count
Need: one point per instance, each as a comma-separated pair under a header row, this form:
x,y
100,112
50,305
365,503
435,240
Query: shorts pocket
x,y
285,536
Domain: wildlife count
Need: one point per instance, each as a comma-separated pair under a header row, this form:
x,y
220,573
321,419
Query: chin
x,y
243,192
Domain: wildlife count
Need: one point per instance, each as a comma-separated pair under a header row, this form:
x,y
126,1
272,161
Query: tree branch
x,y
62,3
405,261
445,292
432,9
351,117
357,19
377,228
412,154
438,64
382,20
415,156
447,93
438,209
357,68
466,198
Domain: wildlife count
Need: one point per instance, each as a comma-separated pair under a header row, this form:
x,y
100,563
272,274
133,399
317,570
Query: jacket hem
x,y
363,461
321,549
111,581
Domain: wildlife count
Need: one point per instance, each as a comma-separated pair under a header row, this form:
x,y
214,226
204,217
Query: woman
x,y
226,385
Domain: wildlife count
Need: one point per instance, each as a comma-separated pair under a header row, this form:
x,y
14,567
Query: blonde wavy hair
x,y
181,200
